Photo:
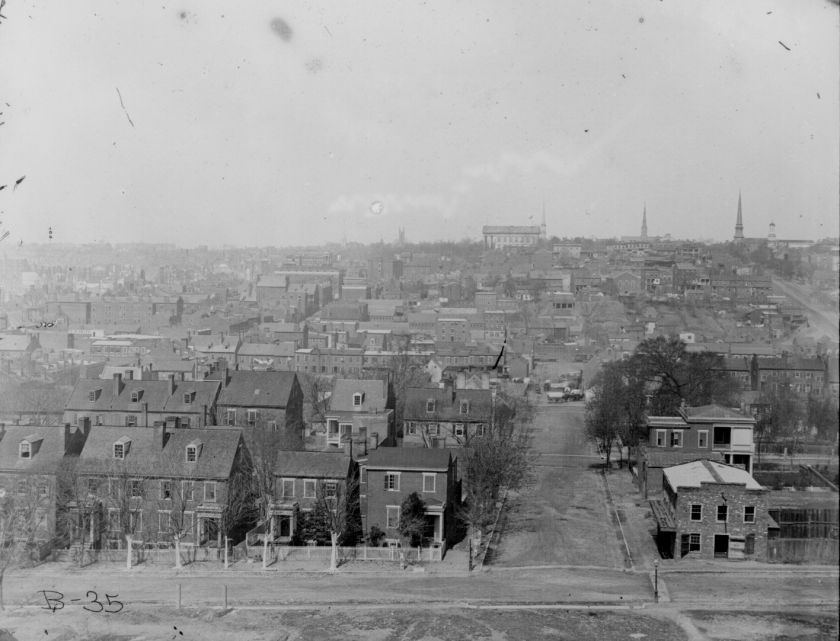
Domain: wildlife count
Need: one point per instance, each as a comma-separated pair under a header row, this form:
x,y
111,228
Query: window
x,y
25,450
113,519
135,396
392,517
749,514
722,436
309,488
252,417
660,438
230,417
43,489
433,429
430,406
392,481
164,519
363,475
693,542
135,488
187,490
410,428
676,438
272,425
210,491
696,512
287,488
192,453
465,407
722,511
703,438
22,486
357,399
330,489
480,429
99,419
459,429
92,486
130,420
428,482
166,490
188,398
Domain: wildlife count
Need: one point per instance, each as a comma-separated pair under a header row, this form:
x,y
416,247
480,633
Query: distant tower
x,y
739,223
644,222
543,234
772,234
401,236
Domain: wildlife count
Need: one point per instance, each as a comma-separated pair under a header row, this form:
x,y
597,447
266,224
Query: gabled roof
x,y
696,473
667,458
47,458
409,458
448,404
148,457
258,389
154,393
374,395
322,465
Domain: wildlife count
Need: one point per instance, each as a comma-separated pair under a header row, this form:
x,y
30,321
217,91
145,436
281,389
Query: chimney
x,y
171,378
145,415
348,446
373,440
118,384
163,435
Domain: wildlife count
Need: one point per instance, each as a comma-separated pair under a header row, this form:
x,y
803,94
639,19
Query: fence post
x,y
226,599
179,596
364,553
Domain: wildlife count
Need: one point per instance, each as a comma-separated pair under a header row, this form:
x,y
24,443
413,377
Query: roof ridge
x,y
711,469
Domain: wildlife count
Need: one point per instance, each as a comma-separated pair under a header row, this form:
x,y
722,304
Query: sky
x,y
273,123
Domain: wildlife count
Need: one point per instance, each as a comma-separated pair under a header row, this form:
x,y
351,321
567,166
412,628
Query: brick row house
x,y
30,470
705,432
712,510
390,474
301,478
142,403
158,484
249,399
449,417
362,412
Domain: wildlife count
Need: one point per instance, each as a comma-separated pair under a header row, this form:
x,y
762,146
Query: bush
x,y
375,535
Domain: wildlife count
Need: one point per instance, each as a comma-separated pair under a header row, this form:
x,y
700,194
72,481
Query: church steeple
x,y
739,222
543,230
644,222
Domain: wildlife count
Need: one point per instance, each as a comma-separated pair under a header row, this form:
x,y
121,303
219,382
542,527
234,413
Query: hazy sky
x,y
275,123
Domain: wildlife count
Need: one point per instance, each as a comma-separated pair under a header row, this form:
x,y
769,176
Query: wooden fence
x,y
819,551
346,554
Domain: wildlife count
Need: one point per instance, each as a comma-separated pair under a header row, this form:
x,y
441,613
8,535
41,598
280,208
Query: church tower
x,y
644,223
543,229
739,223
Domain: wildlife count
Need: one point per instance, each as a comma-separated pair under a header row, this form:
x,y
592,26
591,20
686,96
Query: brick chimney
x,y
118,384
171,379
145,415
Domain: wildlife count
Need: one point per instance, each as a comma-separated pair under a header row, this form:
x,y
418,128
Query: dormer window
x,y
94,394
25,450
188,397
136,395
430,405
121,447
465,407
358,397
193,451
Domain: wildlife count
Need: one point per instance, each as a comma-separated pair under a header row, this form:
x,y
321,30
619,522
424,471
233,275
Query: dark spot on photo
x,y
282,29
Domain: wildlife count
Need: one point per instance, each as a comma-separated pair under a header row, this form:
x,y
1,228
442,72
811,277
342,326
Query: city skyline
x,y
301,126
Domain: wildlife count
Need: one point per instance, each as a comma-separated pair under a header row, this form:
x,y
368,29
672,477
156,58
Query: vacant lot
x,y
370,625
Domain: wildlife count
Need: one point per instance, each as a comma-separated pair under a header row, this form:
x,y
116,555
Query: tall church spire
x,y
739,222
543,230
644,222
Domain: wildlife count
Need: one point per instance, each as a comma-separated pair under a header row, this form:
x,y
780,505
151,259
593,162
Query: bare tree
x,y
337,509
24,511
265,443
125,502
77,507
498,460
176,490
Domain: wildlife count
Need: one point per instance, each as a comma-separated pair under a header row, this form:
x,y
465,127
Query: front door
x,y
684,544
721,546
